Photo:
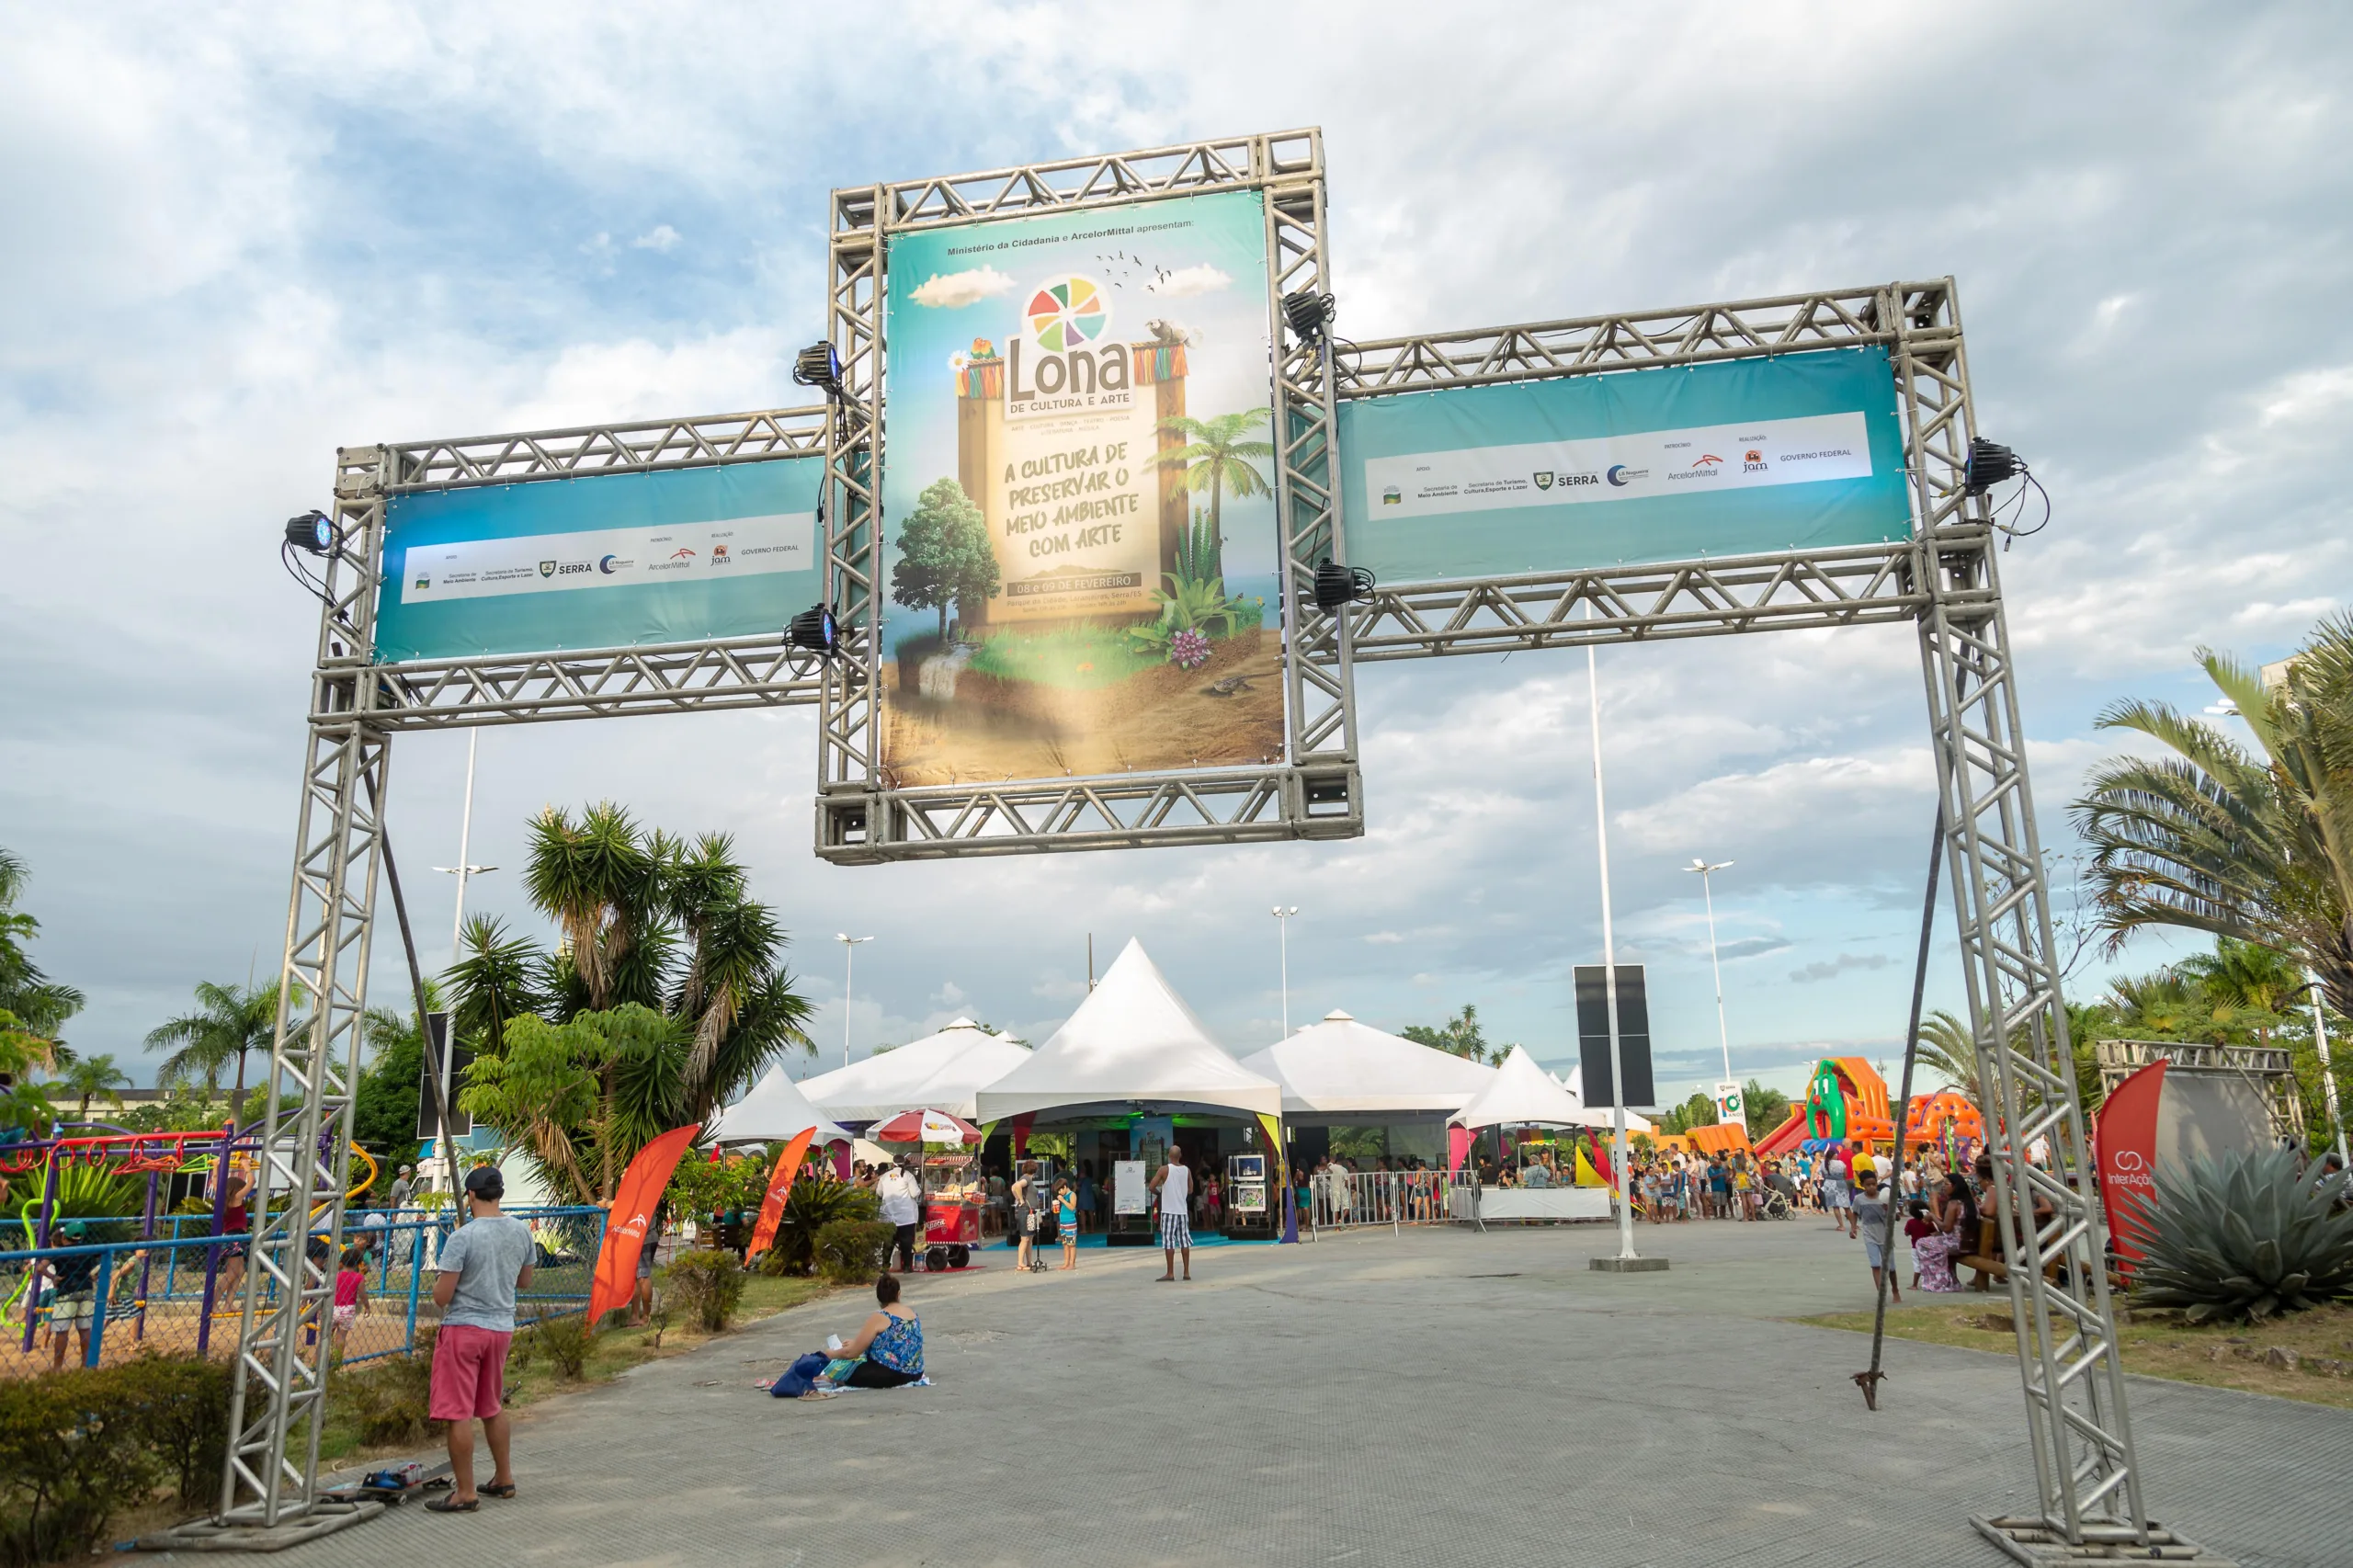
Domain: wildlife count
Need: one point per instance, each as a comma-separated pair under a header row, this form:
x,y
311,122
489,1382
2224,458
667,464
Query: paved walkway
x,y
1441,1398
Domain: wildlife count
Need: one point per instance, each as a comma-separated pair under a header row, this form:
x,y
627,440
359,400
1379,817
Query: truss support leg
x,y
269,1483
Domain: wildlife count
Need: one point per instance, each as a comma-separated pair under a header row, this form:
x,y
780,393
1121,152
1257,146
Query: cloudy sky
x,y
241,237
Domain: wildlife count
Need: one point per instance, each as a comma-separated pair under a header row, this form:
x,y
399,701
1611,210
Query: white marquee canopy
x,y
774,1110
1131,1042
1524,1095
1340,1067
940,1071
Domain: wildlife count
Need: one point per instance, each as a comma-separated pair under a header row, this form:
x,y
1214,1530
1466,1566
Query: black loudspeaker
x,y
1633,1036
437,1040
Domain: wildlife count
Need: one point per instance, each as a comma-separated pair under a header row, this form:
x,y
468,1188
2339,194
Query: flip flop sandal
x,y
505,1491
452,1505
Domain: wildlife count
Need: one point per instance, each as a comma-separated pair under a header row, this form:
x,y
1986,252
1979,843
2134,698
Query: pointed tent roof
x,y
1340,1065
940,1071
1635,1120
776,1108
1525,1094
1132,1040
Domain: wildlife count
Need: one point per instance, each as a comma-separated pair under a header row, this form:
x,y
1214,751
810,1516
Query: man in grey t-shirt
x,y
482,1267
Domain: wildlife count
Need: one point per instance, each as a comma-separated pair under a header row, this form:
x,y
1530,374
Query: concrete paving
x,y
1442,1397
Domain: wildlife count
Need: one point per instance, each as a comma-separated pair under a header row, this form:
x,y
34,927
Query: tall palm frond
x,y
230,1022
2253,846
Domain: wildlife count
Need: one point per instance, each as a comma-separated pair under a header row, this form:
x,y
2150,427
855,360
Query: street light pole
x,y
849,961
462,870
1283,924
1723,1035
1609,976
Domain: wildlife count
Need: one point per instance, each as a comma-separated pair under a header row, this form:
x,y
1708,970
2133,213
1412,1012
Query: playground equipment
x,y
1844,1099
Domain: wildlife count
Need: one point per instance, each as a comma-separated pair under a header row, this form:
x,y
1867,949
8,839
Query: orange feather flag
x,y
788,1167
631,1214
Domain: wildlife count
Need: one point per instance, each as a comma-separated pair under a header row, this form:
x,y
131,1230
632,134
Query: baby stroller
x,y
1776,1206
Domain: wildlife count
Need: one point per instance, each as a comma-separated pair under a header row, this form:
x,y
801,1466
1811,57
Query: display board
x,y
1081,557
599,561
1633,1036
1800,452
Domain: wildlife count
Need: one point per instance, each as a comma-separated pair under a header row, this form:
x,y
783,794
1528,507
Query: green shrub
x,y
79,1445
388,1398
707,1285
2244,1236
809,1207
564,1341
848,1251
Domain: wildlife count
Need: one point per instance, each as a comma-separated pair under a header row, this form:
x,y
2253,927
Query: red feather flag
x,y
788,1167
632,1212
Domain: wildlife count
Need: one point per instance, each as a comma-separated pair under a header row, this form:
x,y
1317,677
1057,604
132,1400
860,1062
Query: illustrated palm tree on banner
x,y
229,1022
1217,459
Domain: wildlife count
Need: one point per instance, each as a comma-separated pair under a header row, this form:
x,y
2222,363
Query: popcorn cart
x,y
953,1197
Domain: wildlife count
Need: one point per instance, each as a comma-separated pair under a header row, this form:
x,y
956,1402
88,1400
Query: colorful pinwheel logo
x,y
1068,313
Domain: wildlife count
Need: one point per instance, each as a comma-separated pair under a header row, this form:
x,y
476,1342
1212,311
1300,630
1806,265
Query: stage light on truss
x,y
1337,585
1310,314
1990,464
815,631
819,366
313,531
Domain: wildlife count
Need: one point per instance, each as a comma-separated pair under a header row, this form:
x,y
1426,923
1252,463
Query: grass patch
x,y
538,1377
2231,1356
1073,658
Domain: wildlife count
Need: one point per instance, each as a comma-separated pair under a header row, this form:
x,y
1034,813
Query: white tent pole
x,y
1609,973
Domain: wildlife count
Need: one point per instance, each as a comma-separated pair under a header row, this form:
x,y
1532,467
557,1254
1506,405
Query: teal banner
x,y
1800,452
600,560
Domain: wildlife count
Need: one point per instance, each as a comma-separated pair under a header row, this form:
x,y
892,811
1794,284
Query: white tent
x,y
1131,1042
940,1071
1524,1095
1342,1067
774,1110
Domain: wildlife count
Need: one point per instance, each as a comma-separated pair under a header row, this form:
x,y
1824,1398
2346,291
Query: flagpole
x,y
1610,975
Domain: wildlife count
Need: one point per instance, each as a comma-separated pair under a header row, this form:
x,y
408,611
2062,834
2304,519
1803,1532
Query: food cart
x,y
953,1198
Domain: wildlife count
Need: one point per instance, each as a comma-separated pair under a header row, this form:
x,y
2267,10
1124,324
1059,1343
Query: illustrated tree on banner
x,y
944,559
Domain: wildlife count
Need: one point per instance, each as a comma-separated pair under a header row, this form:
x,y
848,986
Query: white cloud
x,y
1832,968
954,291
1186,281
660,237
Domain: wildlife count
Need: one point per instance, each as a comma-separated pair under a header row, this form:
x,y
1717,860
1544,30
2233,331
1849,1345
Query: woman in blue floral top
x,y
888,1345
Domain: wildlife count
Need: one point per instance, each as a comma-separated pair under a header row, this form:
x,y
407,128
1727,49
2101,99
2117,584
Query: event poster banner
x,y
1744,457
1079,518
601,561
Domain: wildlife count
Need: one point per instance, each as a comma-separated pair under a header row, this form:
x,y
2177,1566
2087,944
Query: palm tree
x,y
90,1078
40,1005
1946,1050
2253,846
1215,457
230,1020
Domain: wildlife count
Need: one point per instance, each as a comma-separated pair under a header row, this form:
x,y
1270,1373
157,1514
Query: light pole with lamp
x,y
1283,924
849,961
464,871
1727,1092
1626,1260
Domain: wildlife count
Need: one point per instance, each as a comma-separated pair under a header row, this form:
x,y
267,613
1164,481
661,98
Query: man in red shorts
x,y
482,1267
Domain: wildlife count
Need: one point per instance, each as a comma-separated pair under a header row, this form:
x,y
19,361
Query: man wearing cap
x,y
482,1267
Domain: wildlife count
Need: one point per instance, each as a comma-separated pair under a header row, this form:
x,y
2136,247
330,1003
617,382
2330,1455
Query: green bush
x,y
78,1447
809,1207
707,1285
848,1251
564,1341
388,1398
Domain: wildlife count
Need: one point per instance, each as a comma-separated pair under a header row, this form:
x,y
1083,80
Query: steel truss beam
x,y
1316,792
701,442
2087,1478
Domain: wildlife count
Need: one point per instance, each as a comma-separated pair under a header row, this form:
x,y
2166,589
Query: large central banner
x,y
1078,496
1797,451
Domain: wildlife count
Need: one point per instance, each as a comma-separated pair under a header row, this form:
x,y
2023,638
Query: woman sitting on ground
x,y
887,1346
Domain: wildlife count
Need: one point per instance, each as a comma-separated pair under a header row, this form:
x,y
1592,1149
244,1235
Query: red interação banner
x,y
2124,1139
787,1165
625,1227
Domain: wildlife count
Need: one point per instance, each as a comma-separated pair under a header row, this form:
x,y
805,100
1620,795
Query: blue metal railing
x,y
167,1291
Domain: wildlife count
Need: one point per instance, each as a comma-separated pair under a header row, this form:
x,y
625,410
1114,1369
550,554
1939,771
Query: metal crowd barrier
x,y
1343,1199
180,1294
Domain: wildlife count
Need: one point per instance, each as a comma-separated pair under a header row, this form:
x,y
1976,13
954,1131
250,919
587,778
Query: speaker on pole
x,y
1633,1036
